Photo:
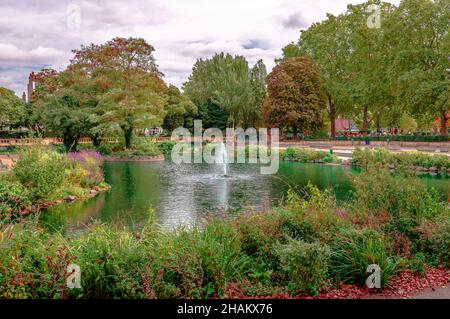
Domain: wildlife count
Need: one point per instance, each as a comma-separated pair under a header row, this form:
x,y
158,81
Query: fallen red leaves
x,y
404,285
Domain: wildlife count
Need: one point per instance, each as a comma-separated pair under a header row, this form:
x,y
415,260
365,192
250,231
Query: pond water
x,y
185,194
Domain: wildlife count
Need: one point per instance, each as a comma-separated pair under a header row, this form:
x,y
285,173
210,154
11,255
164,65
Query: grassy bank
x,y
301,247
42,176
305,155
404,160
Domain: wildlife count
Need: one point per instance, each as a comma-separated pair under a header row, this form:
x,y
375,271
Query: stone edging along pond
x,y
133,158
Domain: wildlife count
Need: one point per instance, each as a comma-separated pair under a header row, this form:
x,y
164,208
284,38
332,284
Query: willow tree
x,y
295,98
132,91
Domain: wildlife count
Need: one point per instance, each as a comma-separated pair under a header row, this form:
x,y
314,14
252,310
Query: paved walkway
x,y
436,293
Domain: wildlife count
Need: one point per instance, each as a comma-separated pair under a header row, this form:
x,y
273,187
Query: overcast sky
x,y
38,34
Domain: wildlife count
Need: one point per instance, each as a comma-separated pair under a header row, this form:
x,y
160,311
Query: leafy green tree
x,y
369,83
227,82
63,103
252,116
421,58
64,117
212,116
12,108
133,91
180,110
295,99
327,43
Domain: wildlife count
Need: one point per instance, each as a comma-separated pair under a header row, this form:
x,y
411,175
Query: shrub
x,y
38,269
437,246
399,195
318,135
106,149
111,263
306,265
144,146
354,250
305,155
417,264
41,171
381,156
166,147
13,197
85,169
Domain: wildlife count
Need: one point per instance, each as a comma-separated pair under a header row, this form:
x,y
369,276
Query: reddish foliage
x,y
404,285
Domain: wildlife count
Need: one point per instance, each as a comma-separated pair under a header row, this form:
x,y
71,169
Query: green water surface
x,y
186,194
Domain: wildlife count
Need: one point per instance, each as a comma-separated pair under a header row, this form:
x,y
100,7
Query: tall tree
x,y
252,116
133,97
12,108
422,50
369,83
180,110
327,43
295,99
225,81
64,104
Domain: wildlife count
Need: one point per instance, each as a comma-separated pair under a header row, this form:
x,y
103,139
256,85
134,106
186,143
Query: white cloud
x,y
10,54
35,33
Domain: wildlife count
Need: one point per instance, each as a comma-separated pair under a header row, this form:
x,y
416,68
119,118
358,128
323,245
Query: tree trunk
x,y
294,132
378,123
332,117
444,129
128,133
96,140
365,122
70,143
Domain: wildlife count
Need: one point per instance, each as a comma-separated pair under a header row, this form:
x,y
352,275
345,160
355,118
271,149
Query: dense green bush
x,y
380,191
38,269
141,147
306,155
306,265
13,197
437,245
381,156
318,135
166,147
41,170
106,149
353,250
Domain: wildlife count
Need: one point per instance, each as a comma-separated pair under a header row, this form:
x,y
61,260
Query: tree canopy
x,y
229,83
12,108
378,73
295,99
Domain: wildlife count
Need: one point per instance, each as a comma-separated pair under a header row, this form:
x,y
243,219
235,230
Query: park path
x,y
433,293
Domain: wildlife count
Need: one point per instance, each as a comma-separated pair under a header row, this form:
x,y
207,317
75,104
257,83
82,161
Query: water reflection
x,y
186,194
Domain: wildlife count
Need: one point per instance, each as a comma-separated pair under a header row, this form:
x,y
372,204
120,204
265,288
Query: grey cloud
x,y
294,21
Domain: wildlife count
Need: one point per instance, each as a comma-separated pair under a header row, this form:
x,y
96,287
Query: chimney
x,y
31,85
